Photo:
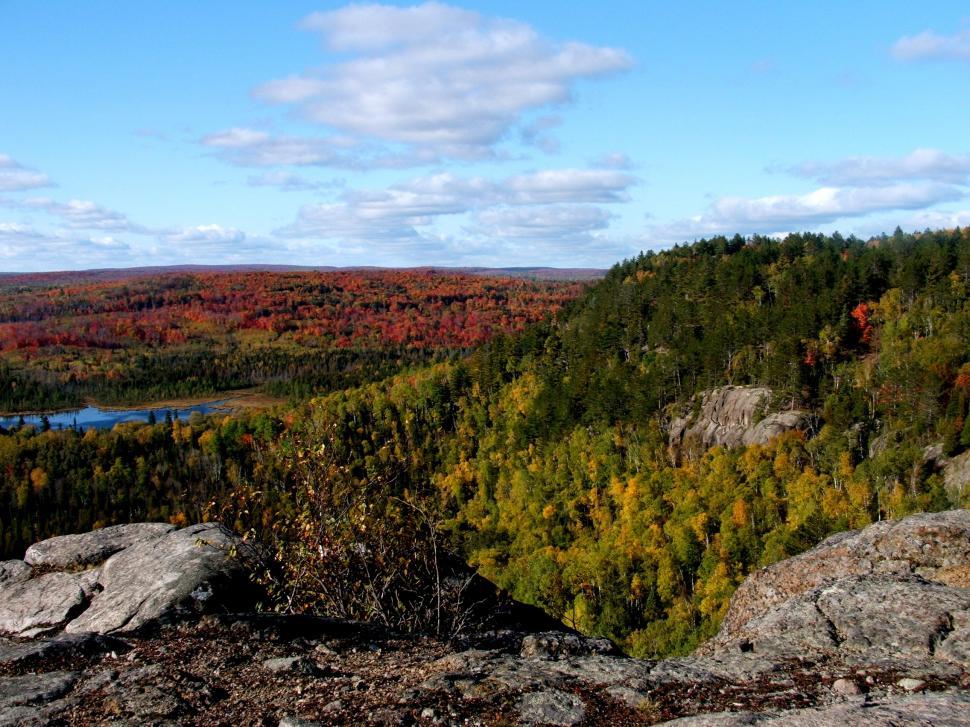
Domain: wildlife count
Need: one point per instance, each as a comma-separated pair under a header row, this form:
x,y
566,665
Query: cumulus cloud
x,y
749,215
830,203
929,164
15,177
251,148
247,147
537,133
107,242
390,214
11,232
205,234
929,45
448,81
548,222
394,213
80,214
567,185
213,244
23,247
932,219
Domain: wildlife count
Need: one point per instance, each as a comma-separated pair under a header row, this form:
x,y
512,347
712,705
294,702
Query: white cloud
x,y
288,182
375,27
15,232
247,147
235,138
747,215
250,148
396,212
537,133
447,81
107,242
933,220
23,247
205,234
830,203
930,164
929,45
548,222
83,215
14,176
213,244
568,185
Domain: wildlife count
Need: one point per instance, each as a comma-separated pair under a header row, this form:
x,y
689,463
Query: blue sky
x,y
486,133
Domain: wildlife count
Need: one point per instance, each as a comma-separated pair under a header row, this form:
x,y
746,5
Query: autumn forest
x,y
293,334
522,427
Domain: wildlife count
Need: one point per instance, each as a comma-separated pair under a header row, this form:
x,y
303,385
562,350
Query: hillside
x,y
73,277
144,336
697,414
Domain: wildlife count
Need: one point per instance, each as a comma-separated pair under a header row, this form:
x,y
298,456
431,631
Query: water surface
x,y
103,418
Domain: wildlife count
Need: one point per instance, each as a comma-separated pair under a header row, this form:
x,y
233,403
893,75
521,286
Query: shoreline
x,y
225,400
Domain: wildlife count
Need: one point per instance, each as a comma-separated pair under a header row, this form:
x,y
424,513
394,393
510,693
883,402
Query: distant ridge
x,y
108,274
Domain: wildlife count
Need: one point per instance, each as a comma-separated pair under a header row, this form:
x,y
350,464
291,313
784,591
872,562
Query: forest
x,y
541,456
134,340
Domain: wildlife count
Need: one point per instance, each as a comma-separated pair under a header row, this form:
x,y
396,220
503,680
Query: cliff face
x,y
956,477
731,416
870,627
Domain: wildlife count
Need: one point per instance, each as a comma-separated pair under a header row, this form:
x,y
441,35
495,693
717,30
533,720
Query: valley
x,y
551,459
484,364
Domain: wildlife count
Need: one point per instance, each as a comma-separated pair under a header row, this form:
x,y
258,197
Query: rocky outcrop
x,y
14,571
85,549
871,627
153,572
194,568
935,546
903,620
956,477
44,604
730,416
31,698
929,710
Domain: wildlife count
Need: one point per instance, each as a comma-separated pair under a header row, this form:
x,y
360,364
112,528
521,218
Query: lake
x,y
99,418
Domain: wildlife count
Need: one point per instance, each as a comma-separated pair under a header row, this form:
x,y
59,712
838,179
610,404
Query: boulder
x,y
44,604
935,546
84,549
194,569
730,416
